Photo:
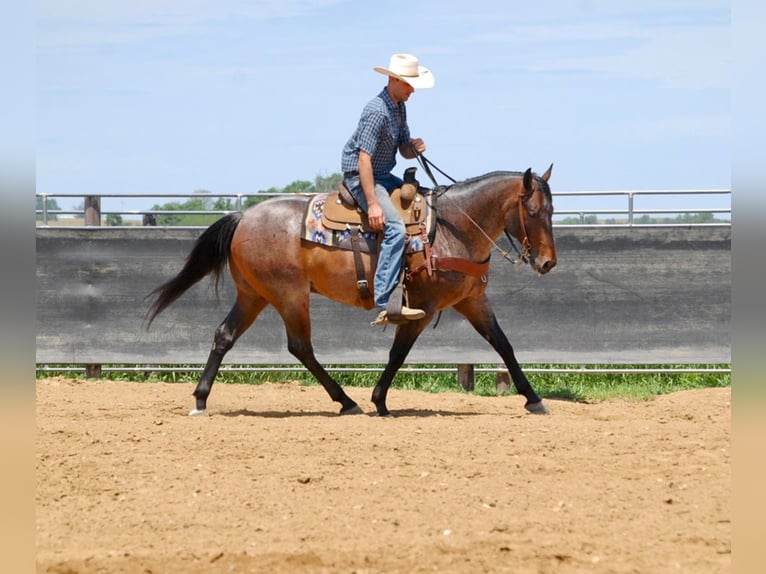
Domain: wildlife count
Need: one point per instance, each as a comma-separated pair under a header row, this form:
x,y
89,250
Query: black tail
x,y
210,254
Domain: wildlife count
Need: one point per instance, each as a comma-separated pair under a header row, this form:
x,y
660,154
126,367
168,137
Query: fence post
x,y
465,376
92,211
92,371
502,381
92,205
45,209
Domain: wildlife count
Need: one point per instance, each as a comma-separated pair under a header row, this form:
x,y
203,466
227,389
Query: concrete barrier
x,y
640,295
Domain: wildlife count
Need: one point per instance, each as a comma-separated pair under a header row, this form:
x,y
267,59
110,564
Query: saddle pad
x,y
314,230
338,215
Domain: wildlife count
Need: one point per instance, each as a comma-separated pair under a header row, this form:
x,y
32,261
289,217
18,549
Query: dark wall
x,y
618,295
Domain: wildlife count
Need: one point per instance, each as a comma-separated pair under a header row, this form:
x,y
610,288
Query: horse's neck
x,y
474,217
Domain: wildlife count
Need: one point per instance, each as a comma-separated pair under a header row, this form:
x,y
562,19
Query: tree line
x,y
683,218
204,200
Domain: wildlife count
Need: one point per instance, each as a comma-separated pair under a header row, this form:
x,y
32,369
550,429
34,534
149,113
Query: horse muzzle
x,y
543,264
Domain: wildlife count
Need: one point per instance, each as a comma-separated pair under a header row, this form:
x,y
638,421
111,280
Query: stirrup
x,y
381,319
407,314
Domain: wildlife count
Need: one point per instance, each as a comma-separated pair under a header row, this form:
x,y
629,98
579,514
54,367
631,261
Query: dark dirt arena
x,y
275,481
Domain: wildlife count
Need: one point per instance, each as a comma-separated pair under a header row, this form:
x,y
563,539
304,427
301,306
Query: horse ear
x,y
547,174
528,189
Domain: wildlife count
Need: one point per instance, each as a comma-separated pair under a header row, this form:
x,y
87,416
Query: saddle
x,y
341,211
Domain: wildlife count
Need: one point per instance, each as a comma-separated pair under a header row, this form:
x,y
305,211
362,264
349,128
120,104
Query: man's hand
x,y
418,144
375,217
411,149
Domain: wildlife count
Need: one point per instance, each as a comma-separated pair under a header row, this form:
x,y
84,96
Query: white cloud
x,y
690,126
87,22
678,56
148,11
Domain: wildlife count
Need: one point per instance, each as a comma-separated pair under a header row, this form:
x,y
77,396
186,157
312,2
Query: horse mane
x,y
468,185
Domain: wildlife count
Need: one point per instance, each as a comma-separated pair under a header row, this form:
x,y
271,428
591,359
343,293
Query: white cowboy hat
x,y
405,67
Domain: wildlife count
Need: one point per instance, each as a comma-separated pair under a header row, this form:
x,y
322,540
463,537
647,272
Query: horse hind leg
x,y
298,327
239,319
406,335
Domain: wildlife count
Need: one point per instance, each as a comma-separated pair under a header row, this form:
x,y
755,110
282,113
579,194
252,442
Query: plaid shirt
x,y
381,130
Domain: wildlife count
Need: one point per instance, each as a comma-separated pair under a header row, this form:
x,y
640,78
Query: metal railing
x,y
623,216
630,211
429,369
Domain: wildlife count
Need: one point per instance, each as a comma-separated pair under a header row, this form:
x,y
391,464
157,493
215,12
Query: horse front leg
x,y
239,319
406,335
479,313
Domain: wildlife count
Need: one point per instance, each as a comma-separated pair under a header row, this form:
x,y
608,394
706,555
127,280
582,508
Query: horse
x,y
271,264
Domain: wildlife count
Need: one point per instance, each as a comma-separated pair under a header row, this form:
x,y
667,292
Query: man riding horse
x,y
368,159
273,264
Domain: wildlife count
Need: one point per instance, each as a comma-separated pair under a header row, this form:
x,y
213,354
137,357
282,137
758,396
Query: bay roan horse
x,y
271,265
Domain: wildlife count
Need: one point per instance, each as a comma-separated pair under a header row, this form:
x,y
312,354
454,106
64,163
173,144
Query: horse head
x,y
532,223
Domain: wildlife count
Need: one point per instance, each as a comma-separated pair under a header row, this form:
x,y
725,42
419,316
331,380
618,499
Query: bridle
x,y
526,248
441,190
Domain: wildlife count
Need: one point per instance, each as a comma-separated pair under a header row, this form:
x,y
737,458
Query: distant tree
x,y
644,219
168,219
696,218
204,197
321,184
204,200
299,186
193,204
224,204
251,201
326,184
113,219
50,204
587,220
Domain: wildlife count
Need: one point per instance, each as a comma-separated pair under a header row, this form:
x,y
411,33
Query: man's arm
x,y
367,180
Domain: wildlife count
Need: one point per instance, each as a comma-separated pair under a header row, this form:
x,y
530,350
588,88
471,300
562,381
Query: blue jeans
x,y
391,250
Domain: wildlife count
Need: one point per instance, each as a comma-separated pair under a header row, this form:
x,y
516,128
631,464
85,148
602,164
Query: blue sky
x,y
235,96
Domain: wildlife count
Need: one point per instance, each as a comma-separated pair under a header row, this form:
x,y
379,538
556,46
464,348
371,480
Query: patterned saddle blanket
x,y
329,219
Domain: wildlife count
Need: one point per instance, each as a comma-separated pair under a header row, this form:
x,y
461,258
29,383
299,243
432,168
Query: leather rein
x,y
469,267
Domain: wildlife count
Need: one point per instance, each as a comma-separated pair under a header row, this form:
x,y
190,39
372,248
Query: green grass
x,y
587,387
575,386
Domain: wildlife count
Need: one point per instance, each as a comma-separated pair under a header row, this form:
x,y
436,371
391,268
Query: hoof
x,y
198,413
539,408
352,410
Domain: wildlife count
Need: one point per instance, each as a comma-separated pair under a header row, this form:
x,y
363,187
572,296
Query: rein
x,y
426,164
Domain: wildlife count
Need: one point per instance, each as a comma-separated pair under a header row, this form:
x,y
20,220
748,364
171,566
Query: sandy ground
x,y
275,481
